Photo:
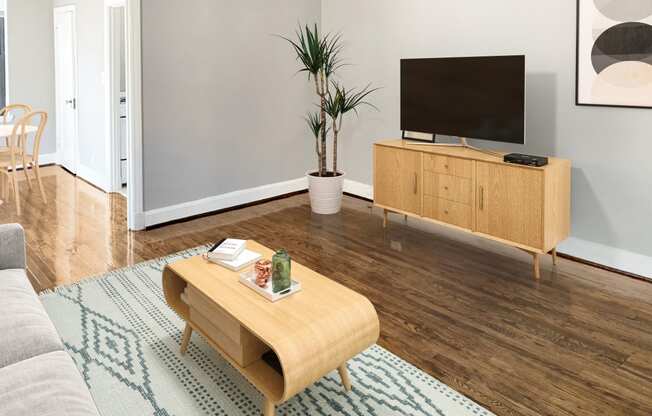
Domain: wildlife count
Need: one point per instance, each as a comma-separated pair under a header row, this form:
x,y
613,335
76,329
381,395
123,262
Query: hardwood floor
x,y
465,310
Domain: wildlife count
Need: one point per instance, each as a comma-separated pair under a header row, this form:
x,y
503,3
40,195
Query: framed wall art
x,y
614,53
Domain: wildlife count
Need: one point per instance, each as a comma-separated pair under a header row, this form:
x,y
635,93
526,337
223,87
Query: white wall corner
x,y
616,258
219,202
358,188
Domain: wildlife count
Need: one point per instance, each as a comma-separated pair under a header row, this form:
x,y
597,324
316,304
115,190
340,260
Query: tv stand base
x,y
463,143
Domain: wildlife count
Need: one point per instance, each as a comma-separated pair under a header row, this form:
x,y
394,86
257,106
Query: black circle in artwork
x,y
631,41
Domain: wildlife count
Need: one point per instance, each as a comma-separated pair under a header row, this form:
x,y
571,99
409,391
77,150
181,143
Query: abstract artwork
x,y
614,53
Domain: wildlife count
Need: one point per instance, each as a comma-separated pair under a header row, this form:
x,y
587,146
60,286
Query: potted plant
x,y
319,57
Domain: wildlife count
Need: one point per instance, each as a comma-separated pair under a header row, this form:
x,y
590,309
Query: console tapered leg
x,y
554,256
536,266
385,218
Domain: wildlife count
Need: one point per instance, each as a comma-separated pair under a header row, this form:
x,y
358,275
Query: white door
x,y
65,51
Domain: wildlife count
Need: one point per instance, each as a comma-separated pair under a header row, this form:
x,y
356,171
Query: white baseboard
x,y
597,253
218,202
138,222
84,172
616,258
47,159
358,188
93,177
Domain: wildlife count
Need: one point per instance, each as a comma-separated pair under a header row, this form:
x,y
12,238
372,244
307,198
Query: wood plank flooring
x,y
465,310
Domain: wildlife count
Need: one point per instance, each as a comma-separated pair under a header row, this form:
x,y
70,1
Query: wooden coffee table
x,y
311,332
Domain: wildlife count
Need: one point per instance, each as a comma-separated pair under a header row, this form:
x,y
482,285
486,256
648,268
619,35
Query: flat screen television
x,y
474,97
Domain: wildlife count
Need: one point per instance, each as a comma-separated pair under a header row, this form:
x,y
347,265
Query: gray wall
x,y
222,104
609,147
30,49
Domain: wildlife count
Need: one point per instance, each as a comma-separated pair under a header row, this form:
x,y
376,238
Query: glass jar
x,y
281,271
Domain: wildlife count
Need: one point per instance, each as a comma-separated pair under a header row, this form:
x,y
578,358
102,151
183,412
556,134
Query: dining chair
x,y
18,152
11,113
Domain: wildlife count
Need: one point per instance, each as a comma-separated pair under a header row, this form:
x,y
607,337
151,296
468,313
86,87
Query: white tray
x,y
249,279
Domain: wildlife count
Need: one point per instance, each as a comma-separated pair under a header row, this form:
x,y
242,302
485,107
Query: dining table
x,y
7,130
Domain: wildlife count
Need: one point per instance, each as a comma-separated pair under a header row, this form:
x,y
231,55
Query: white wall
x,y
609,147
222,103
90,57
30,54
121,28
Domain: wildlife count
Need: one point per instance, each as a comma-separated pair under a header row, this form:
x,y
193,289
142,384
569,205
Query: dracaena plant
x,y
319,57
340,102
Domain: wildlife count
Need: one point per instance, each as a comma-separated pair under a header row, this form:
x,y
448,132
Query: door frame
x,y
58,98
112,94
135,210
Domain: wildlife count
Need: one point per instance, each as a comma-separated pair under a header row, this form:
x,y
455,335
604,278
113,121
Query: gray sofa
x,y
37,376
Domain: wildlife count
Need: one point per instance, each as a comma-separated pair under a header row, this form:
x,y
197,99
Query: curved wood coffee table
x,y
311,332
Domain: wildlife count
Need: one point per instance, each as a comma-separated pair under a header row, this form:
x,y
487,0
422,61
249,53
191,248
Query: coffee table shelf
x,y
258,373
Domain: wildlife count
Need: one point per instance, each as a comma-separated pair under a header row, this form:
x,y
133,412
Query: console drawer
x,y
448,165
453,188
448,211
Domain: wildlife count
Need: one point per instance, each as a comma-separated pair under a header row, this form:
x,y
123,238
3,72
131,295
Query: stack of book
x,y
232,254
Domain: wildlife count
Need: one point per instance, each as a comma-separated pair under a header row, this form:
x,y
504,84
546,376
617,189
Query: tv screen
x,y
475,97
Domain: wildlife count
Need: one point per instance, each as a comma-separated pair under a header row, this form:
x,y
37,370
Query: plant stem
x,y
337,127
335,133
322,161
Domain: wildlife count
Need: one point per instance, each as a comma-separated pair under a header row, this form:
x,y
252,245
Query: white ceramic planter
x,y
325,193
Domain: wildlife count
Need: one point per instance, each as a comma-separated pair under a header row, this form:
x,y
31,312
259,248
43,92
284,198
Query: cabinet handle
x,y
416,182
481,198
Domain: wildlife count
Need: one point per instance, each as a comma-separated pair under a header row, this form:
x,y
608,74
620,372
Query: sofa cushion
x,y
25,327
46,385
12,246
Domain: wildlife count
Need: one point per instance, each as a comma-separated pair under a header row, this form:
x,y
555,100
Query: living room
x,y
430,274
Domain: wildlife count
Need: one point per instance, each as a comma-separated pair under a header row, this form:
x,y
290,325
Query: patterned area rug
x,y
125,341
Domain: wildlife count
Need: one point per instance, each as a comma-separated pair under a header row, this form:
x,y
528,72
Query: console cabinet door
x,y
509,203
397,179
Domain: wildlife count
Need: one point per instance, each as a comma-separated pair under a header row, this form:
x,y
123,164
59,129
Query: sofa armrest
x,y
12,247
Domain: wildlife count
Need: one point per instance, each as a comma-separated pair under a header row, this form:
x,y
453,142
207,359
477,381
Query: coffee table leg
x,y
269,408
344,375
185,339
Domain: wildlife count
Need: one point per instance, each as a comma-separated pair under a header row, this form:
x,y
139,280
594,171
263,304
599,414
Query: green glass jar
x,y
281,271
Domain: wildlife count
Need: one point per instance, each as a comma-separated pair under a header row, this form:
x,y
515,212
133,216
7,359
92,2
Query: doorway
x,y
116,24
65,56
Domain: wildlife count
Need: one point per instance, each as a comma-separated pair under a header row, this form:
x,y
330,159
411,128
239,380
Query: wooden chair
x,y
13,113
18,152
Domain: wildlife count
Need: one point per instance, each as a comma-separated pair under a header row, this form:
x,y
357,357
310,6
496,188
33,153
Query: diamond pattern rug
x,y
125,342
